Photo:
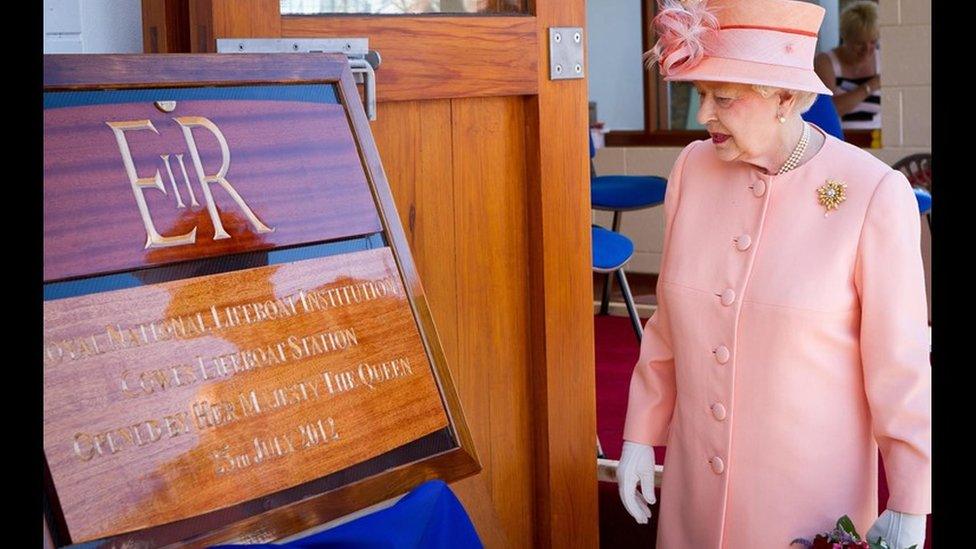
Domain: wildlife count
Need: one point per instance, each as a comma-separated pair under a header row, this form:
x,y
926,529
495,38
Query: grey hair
x,y
804,99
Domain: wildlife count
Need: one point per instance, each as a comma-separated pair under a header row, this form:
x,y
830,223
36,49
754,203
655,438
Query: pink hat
x,y
766,42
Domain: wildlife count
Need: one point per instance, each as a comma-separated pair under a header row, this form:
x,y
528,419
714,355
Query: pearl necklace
x,y
798,151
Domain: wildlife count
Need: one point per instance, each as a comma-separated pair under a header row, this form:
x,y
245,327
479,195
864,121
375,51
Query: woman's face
x,y
743,124
862,44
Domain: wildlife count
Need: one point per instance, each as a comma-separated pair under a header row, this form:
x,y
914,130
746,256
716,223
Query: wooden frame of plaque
x,y
237,345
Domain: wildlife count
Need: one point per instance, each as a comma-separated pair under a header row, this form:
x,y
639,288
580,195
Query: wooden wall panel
x,y
415,140
250,19
201,27
492,269
165,26
437,57
417,134
212,19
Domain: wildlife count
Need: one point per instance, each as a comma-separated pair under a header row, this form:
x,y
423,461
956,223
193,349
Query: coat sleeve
x,y
894,338
650,402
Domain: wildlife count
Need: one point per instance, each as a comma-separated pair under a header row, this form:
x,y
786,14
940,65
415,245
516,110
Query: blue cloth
x,y
615,192
823,113
430,516
924,200
610,249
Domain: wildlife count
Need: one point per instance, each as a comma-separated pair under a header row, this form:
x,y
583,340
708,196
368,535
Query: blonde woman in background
x,y
852,70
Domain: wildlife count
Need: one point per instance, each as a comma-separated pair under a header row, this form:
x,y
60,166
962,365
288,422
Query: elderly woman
x,y
852,70
790,340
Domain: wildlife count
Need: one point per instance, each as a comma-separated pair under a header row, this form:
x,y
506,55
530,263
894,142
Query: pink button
x,y
717,465
722,354
759,188
728,297
743,242
718,411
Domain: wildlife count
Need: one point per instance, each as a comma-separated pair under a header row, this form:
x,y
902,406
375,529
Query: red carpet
x,y
616,353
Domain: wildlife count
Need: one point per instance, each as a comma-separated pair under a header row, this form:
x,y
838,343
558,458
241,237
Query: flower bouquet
x,y
843,536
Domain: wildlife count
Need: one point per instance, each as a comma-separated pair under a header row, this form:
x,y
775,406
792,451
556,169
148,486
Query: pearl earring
x,y
782,119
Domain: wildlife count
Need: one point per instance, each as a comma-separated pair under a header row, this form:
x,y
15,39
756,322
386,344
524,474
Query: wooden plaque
x,y
236,342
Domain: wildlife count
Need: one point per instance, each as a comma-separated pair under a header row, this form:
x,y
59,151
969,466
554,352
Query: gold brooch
x,y
832,194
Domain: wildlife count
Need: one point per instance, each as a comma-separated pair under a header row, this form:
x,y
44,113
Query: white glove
x,y
900,530
637,464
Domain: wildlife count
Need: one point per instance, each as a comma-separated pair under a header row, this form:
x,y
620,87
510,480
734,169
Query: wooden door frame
x,y
562,296
560,279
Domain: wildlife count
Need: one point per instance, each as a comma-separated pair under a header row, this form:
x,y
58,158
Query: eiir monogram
x,y
139,184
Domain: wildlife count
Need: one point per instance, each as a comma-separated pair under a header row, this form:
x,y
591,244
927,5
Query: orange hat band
x,y
777,29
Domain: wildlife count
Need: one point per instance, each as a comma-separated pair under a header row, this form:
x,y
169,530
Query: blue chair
x,y
620,193
611,251
823,113
924,199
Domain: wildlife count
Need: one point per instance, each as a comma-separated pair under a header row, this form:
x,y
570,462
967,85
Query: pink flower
x,y
680,27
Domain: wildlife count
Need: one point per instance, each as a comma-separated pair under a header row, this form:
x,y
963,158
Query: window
x,y
402,7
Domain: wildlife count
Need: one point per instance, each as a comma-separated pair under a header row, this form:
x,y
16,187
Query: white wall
x,y
829,36
906,92
614,66
92,26
906,77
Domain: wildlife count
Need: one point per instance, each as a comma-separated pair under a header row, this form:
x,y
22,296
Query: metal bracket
x,y
565,53
362,61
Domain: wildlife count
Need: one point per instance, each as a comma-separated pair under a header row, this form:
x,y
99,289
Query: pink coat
x,y
787,347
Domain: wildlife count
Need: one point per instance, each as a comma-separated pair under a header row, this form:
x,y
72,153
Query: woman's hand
x,y
636,464
900,530
874,83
